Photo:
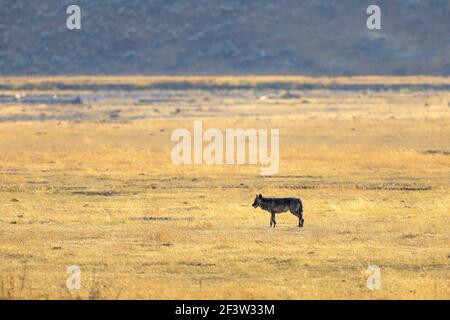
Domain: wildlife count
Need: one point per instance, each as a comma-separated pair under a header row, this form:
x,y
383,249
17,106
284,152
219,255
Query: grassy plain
x,y
93,185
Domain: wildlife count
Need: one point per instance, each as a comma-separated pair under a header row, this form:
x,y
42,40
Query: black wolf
x,y
278,205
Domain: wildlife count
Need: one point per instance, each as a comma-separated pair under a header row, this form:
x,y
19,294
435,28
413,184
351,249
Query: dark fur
x,y
279,205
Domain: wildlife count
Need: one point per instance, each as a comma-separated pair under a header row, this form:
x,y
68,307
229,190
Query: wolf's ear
x,y
260,196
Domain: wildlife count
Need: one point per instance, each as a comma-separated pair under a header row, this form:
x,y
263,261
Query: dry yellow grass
x,y
227,80
372,170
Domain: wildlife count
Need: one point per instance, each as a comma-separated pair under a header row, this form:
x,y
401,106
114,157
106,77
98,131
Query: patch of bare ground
x,y
438,152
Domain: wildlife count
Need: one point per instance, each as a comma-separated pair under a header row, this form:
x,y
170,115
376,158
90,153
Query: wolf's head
x,y
257,201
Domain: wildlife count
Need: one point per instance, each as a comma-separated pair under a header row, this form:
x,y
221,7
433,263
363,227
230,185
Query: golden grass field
x,y
81,187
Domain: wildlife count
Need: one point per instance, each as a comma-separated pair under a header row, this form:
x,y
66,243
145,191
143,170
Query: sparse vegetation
x,y
372,169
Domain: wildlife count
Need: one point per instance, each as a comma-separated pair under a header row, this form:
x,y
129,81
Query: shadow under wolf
x,y
279,205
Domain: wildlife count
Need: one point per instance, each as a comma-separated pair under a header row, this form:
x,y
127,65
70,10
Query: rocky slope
x,y
314,37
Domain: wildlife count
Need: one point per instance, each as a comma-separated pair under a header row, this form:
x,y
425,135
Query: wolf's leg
x,y
296,212
272,220
300,219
